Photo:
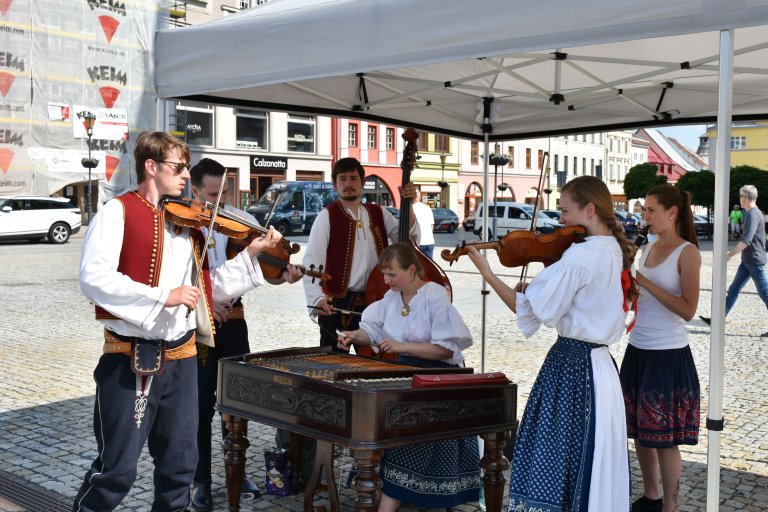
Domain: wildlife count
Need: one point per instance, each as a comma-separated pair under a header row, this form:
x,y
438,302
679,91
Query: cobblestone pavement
x,y
51,344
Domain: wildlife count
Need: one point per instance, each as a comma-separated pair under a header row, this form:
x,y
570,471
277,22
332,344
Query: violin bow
x,y
544,164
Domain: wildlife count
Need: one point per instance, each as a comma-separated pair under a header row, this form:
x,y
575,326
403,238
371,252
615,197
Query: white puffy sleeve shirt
x,y
580,295
141,308
432,319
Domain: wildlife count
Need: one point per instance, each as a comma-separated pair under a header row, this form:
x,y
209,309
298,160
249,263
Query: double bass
x,y
376,287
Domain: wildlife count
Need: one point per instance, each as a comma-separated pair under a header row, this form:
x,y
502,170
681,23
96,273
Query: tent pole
x,y
484,234
719,270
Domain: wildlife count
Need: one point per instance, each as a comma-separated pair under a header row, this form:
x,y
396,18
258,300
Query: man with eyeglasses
x,y
140,272
752,248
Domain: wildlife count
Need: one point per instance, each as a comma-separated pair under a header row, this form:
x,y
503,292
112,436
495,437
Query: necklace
x,y
406,310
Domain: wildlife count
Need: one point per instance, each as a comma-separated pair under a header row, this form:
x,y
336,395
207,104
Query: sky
x,y
688,135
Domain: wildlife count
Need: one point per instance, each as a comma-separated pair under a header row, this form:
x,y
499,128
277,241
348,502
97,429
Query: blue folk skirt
x,y
552,461
439,474
661,396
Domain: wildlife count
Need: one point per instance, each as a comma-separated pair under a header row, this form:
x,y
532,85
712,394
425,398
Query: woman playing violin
x,y
571,451
416,320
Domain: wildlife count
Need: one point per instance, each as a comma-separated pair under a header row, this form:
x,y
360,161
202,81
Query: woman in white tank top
x,y
658,375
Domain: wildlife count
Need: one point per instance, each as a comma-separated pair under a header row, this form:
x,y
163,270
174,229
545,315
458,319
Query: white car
x,y
512,217
34,218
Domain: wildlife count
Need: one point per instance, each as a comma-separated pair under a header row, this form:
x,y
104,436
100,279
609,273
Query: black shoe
x,y
644,504
706,319
251,487
201,497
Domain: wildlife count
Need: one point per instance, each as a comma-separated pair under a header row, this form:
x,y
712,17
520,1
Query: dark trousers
x,y
231,340
353,301
170,415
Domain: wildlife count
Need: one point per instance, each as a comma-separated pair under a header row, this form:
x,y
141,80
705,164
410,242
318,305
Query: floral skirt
x,y
661,396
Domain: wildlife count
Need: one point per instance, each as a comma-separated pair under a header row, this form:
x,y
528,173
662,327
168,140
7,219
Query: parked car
x,y
446,220
394,211
628,222
552,214
512,217
298,203
704,228
34,218
469,223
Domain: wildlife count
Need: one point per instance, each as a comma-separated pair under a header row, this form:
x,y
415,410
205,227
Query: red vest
x,y
141,255
338,260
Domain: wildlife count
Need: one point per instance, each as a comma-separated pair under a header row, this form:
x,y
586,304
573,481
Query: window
x,y
511,153
610,144
251,128
442,144
584,166
390,139
541,158
352,130
197,123
527,158
474,152
575,166
301,134
372,132
592,166
565,165
738,143
557,163
423,144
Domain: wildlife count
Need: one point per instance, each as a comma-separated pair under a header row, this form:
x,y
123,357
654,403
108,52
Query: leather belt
x,y
114,345
236,313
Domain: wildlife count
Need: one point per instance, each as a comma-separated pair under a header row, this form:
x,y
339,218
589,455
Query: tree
x,y
748,175
642,178
701,186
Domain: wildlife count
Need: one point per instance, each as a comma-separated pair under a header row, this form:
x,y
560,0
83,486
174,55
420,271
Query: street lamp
x,y
89,163
496,160
442,183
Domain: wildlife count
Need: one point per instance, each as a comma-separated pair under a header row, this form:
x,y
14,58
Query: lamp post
x,y
442,183
89,118
496,160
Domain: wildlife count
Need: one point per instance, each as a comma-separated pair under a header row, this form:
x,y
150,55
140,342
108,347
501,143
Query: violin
x,y
240,230
519,248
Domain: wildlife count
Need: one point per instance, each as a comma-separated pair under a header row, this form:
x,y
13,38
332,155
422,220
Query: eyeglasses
x,y
178,167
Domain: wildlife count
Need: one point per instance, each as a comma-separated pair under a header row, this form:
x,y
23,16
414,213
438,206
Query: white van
x,y
511,217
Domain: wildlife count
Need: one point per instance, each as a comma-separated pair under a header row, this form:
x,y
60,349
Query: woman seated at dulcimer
x,y
417,321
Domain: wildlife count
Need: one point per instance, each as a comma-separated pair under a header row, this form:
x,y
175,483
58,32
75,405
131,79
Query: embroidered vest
x,y
141,255
338,261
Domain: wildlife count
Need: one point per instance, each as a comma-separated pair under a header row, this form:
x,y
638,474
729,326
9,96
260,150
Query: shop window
x,y
251,129
301,134
198,124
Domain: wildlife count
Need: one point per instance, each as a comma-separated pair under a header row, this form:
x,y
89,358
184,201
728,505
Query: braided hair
x,y
589,189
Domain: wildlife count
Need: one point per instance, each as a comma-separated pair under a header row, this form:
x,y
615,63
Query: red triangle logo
x,y
5,5
109,95
6,155
111,163
109,26
6,81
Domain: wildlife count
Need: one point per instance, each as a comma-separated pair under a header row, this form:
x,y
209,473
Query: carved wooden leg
x,y
323,459
494,463
234,446
367,483
297,466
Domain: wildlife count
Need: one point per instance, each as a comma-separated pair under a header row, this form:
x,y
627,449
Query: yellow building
x,y
749,144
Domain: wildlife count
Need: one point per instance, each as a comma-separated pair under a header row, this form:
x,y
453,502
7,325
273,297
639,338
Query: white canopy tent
x,y
495,70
